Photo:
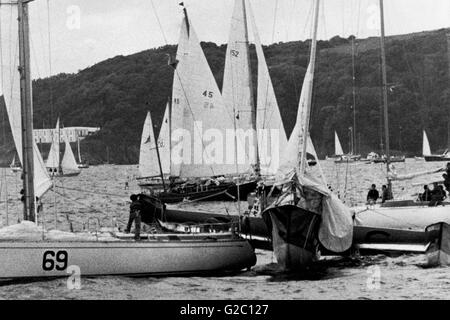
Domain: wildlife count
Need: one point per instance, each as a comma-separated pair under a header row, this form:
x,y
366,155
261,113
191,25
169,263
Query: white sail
x,y
164,142
53,159
68,162
290,156
237,83
148,158
426,151
273,140
337,146
13,162
10,79
200,121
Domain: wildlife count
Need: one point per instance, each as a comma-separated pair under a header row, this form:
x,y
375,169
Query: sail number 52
x,y
55,260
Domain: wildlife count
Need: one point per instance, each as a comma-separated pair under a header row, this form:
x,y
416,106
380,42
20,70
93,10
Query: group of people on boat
x,y
373,195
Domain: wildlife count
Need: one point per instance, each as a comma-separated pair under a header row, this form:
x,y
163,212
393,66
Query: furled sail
x,y
291,155
148,158
68,163
53,159
237,84
337,146
272,139
11,92
202,129
426,151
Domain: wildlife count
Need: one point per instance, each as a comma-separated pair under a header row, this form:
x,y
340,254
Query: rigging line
x,y
159,22
92,192
50,61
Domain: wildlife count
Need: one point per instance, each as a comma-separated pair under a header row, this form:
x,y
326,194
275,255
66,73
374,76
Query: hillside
x,y
116,93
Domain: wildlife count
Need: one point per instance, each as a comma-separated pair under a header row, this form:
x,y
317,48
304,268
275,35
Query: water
x,y
99,192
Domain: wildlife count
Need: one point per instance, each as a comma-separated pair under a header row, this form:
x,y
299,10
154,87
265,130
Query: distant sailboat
x,y
14,166
426,151
65,166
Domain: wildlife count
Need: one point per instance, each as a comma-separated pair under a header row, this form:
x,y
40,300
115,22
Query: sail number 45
x,y
208,94
55,260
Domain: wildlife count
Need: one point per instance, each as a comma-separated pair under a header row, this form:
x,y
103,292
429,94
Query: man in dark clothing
x,y
436,195
426,195
385,194
135,215
372,195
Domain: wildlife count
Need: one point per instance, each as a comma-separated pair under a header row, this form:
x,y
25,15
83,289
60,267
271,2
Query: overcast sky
x,y
84,32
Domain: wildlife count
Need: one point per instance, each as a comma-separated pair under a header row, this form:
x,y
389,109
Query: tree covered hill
x,y
115,94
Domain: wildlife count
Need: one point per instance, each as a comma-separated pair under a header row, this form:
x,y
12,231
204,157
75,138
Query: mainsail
x,y
426,151
272,139
53,159
68,163
148,158
11,92
337,146
237,90
164,142
201,125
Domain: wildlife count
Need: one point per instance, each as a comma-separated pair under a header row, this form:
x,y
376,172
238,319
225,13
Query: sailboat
x,y
14,166
154,156
28,251
426,151
67,165
306,215
199,128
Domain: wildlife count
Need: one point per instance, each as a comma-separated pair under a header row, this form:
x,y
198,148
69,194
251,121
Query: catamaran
x,y
28,250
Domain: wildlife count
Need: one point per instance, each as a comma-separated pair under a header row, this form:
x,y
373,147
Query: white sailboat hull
x,y
29,259
408,217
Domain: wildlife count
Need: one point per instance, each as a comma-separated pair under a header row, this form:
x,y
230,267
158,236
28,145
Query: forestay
x,y
10,79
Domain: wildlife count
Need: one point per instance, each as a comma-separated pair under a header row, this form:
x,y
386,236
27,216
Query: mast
x,y
157,154
252,100
354,97
27,111
309,96
385,96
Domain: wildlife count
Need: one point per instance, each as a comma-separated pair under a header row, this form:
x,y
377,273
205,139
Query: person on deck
x,y
135,215
373,194
385,194
436,195
426,195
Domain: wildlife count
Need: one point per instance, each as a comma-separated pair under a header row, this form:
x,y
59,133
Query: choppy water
x,y
99,191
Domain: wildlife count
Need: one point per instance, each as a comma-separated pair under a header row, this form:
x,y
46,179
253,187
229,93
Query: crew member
x,y
373,194
135,215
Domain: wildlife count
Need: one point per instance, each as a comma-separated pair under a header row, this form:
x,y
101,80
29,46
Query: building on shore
x,y
72,133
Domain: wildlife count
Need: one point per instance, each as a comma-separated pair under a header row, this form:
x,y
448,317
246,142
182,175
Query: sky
x,y
84,32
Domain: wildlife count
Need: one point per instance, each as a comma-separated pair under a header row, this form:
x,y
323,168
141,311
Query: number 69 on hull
x,y
30,259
